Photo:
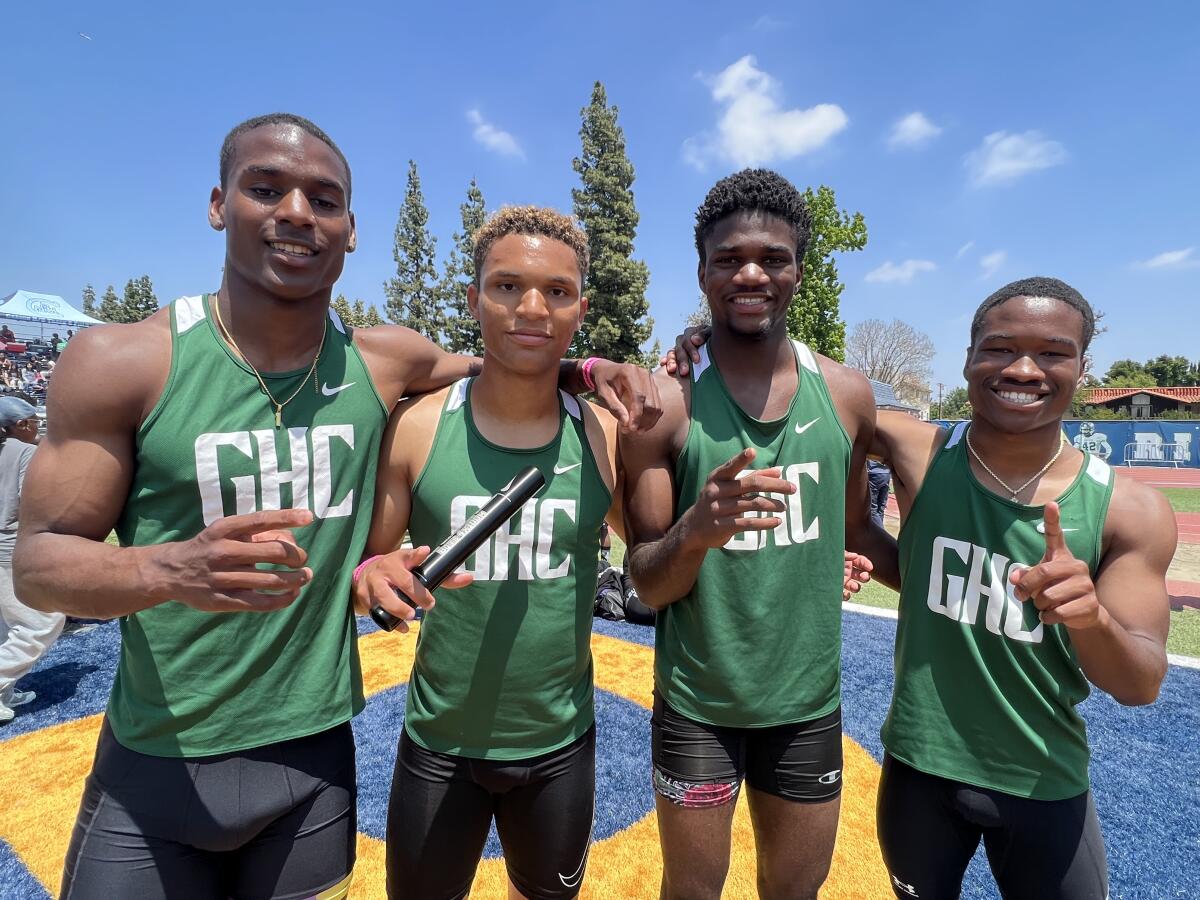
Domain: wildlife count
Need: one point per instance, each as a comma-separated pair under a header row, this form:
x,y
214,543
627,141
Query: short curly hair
x,y
1038,286
228,146
760,190
531,220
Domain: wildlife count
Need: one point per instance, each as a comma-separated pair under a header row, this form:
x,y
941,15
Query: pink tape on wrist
x,y
588,365
362,565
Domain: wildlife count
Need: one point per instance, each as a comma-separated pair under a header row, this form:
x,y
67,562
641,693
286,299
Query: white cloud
x,y
962,251
1004,157
1171,259
492,137
754,129
768,22
914,130
992,262
903,273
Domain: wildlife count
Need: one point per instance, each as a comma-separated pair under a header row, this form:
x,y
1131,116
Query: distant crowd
x,y
26,364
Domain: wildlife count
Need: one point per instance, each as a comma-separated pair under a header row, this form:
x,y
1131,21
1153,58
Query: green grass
x,y
1185,500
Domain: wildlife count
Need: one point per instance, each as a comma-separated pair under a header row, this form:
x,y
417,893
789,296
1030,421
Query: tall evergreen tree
x,y
462,331
815,314
412,296
340,306
372,318
111,308
89,301
139,301
617,323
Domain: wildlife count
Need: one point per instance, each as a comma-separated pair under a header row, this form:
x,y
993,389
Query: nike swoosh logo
x,y
559,470
800,429
1041,528
329,392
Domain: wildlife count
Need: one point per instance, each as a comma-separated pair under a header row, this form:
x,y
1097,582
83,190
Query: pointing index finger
x,y
1056,542
736,464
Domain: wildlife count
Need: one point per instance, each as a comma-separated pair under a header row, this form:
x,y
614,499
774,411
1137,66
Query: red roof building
x,y
1146,403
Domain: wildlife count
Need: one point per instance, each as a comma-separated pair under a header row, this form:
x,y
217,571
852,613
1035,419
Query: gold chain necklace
x,y
1036,475
216,304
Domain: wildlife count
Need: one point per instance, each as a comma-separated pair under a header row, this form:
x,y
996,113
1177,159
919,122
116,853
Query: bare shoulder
x,y
846,385
601,426
112,371
410,431
1140,519
670,431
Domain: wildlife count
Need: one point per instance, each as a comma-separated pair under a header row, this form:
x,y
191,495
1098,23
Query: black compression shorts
x,y
273,822
699,765
442,805
929,828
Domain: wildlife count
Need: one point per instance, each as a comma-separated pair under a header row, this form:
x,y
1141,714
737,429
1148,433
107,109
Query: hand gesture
x,y
857,573
726,502
1060,586
629,393
217,570
388,581
678,359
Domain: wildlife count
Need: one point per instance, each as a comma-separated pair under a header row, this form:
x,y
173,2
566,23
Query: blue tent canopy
x,y
28,306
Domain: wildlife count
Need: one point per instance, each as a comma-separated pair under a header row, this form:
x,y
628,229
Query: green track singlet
x,y
985,693
757,641
503,667
193,683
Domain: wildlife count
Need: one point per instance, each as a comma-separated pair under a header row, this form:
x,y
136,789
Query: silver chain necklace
x,y
1036,475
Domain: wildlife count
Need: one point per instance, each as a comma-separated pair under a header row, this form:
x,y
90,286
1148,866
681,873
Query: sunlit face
x,y
750,273
1023,369
285,211
529,302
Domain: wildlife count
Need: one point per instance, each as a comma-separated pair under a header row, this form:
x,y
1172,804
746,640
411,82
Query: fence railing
x,y
1143,453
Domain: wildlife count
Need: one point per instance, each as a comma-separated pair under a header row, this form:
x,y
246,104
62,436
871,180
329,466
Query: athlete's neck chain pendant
x,y
312,370
1062,442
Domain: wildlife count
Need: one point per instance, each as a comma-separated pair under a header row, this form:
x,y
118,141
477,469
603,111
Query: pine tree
x,y
345,313
110,309
412,296
139,301
616,324
89,301
815,314
372,318
359,313
462,331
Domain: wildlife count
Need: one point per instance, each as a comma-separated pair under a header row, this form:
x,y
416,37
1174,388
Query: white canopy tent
x,y
43,309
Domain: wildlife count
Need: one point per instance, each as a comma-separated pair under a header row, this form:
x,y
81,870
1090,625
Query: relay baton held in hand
x,y
454,550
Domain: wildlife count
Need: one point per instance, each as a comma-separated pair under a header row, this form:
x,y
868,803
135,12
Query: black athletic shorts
x,y
930,827
442,805
700,765
273,822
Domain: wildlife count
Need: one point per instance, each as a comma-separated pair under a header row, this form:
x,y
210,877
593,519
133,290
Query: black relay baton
x,y
453,551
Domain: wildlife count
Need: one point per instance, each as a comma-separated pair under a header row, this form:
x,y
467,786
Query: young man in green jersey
x,y
1026,571
500,720
226,432
739,505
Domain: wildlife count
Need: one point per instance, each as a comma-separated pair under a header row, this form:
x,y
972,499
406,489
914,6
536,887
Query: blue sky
x,y
982,144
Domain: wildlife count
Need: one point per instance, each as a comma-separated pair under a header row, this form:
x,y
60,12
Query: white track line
x,y
1188,662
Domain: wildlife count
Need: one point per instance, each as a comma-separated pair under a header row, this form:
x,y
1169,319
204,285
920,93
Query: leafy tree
x,y
462,331
356,315
110,309
139,301
1128,373
894,353
1171,371
342,307
372,318
412,296
89,301
954,405
617,323
815,314
700,316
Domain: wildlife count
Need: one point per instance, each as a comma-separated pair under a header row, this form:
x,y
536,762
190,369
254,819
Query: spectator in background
x,y
61,345
55,343
25,634
7,336
880,478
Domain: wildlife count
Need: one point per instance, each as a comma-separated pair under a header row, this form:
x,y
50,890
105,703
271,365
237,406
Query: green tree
x,y
342,307
954,405
89,301
110,309
412,296
372,318
1128,373
815,314
139,301
1171,371
617,323
462,331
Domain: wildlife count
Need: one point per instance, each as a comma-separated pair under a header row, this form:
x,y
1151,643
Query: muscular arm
x,y
1124,651
104,385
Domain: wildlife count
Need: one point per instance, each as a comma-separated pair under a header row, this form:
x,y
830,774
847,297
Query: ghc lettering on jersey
x,y
962,574
312,453
530,533
793,529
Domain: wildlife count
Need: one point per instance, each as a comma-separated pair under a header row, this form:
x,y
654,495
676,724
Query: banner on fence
x,y
1138,442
